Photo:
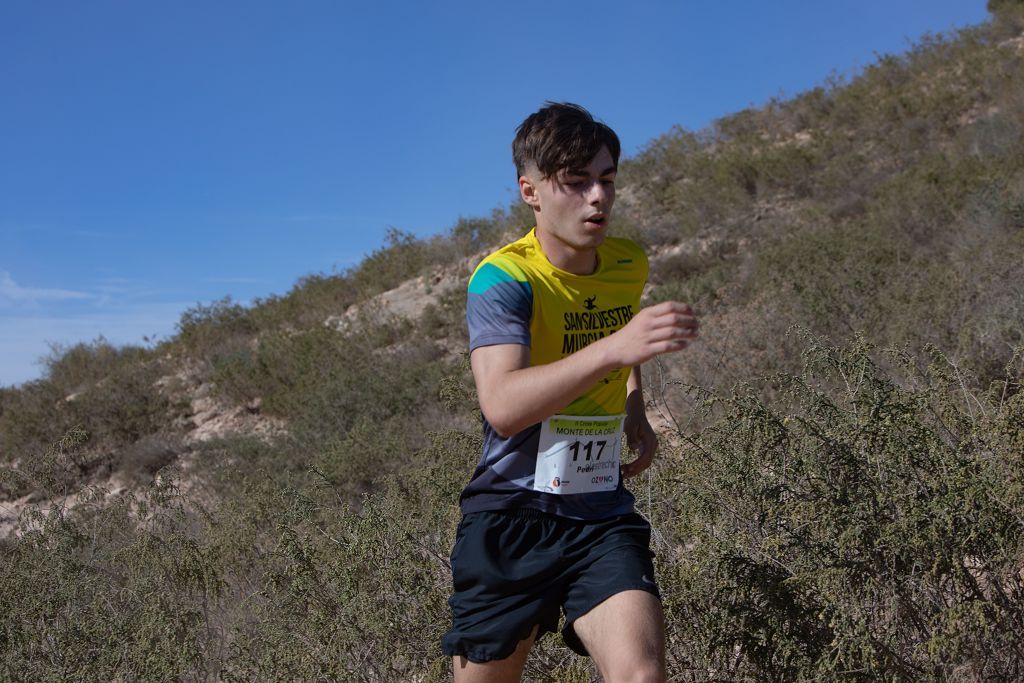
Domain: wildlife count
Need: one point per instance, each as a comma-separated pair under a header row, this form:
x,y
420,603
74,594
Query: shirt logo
x,y
589,303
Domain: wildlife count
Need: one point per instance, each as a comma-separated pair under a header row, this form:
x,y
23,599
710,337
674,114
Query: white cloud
x,y
13,294
122,310
25,339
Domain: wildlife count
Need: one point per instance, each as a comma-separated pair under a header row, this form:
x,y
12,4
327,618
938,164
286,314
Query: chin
x,y
594,236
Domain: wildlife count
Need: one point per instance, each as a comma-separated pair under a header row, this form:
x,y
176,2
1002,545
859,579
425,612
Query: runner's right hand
x,y
655,330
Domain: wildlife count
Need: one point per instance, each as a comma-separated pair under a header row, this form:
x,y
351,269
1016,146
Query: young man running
x,y
557,337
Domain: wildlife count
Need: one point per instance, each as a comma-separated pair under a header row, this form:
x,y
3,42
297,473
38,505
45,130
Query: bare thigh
x,y
625,635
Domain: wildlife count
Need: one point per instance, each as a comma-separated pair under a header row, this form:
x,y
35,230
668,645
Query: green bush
x,y
312,300
402,257
29,417
867,526
119,589
73,368
1008,15
209,331
446,318
697,278
325,381
125,406
108,393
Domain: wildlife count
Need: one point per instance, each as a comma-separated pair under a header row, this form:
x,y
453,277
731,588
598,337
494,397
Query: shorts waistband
x,y
533,513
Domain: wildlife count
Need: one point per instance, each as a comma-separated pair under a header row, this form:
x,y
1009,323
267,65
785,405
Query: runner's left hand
x,y
640,437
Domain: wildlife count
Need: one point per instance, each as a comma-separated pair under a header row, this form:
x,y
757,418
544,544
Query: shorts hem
x,y
482,655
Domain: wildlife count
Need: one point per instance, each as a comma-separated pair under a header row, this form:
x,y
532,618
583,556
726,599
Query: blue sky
x,y
154,155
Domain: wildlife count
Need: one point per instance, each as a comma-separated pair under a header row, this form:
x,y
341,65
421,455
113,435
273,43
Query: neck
x,y
565,256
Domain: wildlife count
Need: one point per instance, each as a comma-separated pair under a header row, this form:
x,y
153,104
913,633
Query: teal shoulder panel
x,y
488,275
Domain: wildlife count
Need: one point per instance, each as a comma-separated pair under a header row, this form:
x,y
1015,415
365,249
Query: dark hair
x,y
561,135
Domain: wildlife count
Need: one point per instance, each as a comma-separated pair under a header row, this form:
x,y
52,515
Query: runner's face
x,y
573,208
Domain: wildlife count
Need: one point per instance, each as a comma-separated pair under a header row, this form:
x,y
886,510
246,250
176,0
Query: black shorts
x,y
513,569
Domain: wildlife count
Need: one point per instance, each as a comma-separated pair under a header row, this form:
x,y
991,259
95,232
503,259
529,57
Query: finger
x,y
673,332
665,306
677,306
683,308
670,346
682,324
670,307
634,468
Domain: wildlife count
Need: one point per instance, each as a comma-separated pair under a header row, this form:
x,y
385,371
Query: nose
x,y
597,193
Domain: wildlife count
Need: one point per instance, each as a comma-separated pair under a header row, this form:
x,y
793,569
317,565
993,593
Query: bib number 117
x,y
588,449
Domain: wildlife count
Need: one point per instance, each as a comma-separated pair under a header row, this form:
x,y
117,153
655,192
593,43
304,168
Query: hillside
x,y
271,493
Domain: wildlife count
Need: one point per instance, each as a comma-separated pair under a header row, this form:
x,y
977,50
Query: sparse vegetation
x,y
840,502
862,525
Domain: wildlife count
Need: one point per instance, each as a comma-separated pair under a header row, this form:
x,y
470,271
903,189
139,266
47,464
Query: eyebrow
x,y
584,173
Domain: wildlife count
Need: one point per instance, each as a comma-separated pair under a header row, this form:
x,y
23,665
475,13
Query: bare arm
x,y
514,395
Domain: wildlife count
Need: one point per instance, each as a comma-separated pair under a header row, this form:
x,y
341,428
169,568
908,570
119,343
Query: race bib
x,y
578,454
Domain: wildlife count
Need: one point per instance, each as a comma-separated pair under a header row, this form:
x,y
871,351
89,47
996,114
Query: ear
x,y
528,191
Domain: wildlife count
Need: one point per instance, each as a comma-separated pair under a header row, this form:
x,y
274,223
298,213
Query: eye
x,y
575,183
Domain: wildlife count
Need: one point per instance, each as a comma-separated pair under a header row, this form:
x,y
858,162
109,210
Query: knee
x,y
650,672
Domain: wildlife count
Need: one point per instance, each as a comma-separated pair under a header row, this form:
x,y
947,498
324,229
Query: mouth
x,y
597,220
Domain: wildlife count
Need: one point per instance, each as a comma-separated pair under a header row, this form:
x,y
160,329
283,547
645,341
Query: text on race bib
x,y
578,454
